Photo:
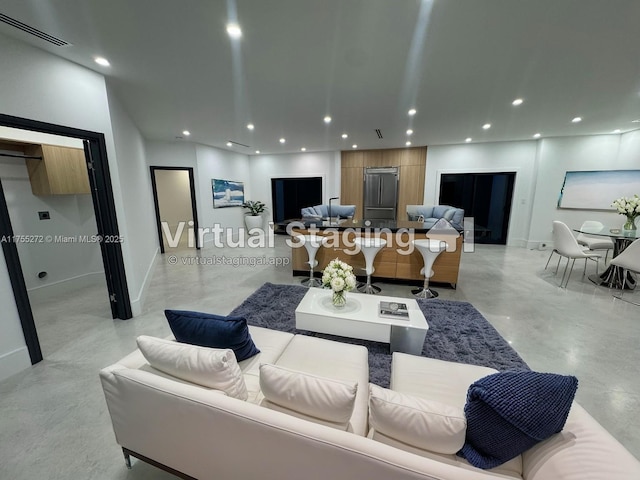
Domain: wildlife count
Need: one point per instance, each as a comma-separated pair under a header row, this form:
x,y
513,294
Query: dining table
x,y
613,276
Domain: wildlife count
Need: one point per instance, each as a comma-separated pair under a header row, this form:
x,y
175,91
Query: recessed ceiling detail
x,y
58,42
217,85
379,133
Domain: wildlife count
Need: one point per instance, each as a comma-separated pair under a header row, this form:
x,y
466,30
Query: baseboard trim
x,y
14,362
65,280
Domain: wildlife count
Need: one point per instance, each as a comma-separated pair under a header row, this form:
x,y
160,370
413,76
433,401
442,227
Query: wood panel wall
x,y
411,163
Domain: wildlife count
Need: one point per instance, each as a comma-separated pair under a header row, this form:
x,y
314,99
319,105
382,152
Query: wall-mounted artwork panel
x,y
227,193
596,190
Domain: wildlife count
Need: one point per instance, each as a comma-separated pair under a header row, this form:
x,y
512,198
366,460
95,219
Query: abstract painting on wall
x,y
227,193
596,190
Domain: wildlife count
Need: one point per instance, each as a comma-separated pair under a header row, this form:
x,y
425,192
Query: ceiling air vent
x,y
238,144
379,133
33,31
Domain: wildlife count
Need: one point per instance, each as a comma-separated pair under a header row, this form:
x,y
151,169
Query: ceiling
x,y
459,63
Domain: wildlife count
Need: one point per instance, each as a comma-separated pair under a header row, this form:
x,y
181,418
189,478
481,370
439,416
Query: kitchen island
x,y
396,261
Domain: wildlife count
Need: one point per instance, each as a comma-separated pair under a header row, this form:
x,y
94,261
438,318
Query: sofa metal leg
x,y
127,458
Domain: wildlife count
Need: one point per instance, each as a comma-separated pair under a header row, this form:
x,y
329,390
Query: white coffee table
x,y
359,319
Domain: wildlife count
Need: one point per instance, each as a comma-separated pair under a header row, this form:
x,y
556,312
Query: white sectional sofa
x,y
197,432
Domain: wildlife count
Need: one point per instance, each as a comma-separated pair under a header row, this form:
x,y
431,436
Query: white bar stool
x,y
430,249
369,248
312,243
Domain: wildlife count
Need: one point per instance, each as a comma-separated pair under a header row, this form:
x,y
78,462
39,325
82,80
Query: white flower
x,y
630,207
337,284
339,276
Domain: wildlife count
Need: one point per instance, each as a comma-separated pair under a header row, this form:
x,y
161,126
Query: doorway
x,y
486,197
174,199
102,200
290,195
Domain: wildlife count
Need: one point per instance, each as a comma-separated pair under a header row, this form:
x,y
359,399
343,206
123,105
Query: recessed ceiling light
x,y
517,101
409,132
635,121
102,61
344,135
354,146
282,140
250,126
186,133
537,135
229,144
304,149
486,126
468,139
412,112
234,31
407,143
617,130
327,119
576,120
257,151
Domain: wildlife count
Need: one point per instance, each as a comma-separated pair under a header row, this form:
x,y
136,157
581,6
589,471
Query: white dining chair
x,y
629,261
595,242
566,245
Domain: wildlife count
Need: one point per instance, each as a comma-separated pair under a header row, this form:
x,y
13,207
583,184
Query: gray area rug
x,y
457,331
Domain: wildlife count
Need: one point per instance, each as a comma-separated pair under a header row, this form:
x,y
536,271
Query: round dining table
x,y
613,276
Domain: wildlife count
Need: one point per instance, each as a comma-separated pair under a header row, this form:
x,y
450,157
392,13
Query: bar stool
x,y
369,248
430,249
312,243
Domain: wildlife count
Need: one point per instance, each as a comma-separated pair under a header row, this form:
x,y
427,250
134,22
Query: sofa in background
x,y
207,433
322,211
432,213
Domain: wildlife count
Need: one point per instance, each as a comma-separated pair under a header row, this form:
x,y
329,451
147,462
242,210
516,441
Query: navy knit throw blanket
x,y
509,412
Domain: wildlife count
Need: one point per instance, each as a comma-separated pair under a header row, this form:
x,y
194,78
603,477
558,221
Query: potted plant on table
x,y
253,218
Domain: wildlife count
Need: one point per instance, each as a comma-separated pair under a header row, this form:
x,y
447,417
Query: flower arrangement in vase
x,y
339,276
630,207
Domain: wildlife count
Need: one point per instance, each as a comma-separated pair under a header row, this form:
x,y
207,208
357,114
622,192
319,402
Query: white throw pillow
x,y
321,398
210,367
425,424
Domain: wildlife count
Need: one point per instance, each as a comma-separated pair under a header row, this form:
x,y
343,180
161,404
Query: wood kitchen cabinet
x,y
62,170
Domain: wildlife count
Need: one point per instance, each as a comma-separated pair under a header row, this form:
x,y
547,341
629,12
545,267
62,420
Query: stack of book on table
x,y
394,310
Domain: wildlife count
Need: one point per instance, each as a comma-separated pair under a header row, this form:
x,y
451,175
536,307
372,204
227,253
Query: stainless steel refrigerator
x,y
380,193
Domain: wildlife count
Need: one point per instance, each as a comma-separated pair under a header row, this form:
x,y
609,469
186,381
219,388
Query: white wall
x,y
320,164
559,155
72,216
138,226
519,157
216,163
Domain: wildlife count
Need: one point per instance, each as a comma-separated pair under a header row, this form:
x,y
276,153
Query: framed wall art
x,y
227,193
596,190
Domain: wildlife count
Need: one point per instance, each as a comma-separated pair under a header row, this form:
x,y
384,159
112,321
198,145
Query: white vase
x,y
254,224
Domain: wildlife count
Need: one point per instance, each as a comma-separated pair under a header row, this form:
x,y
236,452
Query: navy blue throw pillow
x,y
209,330
509,412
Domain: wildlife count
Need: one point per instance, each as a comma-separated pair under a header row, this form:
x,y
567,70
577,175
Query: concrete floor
x,y
55,425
